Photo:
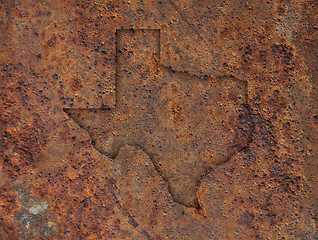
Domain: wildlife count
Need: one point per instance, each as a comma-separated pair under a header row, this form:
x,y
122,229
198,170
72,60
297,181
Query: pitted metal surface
x,y
203,126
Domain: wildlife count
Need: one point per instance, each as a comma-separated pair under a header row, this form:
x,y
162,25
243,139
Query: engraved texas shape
x,y
188,125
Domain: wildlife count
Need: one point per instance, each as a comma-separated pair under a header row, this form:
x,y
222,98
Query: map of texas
x,y
188,125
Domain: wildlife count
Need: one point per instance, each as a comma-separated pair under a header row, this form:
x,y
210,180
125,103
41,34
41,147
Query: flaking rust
x,y
62,177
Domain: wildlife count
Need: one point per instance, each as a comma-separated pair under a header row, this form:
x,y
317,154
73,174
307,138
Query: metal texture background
x,y
59,60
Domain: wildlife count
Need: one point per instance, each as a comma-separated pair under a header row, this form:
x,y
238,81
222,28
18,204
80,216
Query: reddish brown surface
x,y
59,55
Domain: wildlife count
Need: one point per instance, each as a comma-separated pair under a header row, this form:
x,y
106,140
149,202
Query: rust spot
x,y
283,52
281,10
52,41
315,119
176,112
76,84
247,218
174,88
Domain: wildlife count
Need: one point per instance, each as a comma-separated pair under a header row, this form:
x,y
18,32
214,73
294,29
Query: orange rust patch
x,y
176,112
144,109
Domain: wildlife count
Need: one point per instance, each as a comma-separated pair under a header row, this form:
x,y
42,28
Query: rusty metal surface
x,y
203,126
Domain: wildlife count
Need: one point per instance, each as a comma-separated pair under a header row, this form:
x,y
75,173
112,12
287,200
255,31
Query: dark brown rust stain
x,y
51,42
76,84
